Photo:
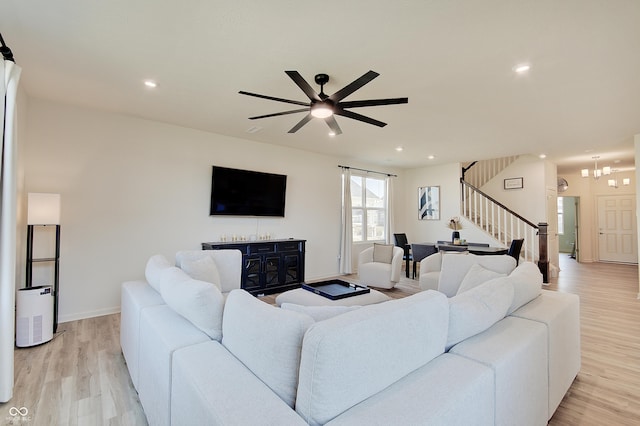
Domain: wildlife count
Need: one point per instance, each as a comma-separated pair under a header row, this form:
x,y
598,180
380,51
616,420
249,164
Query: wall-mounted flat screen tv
x,y
236,192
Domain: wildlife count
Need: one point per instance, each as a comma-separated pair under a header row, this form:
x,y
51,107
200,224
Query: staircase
x,y
497,220
480,172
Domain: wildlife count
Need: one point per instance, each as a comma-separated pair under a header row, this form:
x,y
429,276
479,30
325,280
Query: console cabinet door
x,y
251,274
291,272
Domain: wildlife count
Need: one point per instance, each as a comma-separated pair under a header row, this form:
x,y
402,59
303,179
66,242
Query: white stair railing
x,y
480,172
499,221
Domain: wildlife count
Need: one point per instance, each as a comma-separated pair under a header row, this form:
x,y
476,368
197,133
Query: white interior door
x,y
617,240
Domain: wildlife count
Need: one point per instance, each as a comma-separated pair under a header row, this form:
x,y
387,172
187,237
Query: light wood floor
x,y
80,377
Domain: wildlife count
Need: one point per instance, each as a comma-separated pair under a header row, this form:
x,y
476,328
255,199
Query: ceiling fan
x,y
327,107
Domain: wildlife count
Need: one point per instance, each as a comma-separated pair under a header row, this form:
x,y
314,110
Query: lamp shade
x,y
43,209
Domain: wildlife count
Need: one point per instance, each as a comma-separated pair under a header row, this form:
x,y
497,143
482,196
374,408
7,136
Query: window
x,y
560,215
369,212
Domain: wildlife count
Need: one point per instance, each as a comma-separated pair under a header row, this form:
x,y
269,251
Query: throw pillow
x,y
476,276
266,339
203,269
154,269
476,310
199,302
319,313
527,284
382,253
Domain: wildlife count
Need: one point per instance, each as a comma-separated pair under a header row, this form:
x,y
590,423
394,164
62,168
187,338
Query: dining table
x,y
473,249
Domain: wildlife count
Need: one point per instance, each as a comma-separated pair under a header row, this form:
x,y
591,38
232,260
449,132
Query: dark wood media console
x,y
270,266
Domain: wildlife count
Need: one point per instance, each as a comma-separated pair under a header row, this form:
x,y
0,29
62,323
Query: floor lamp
x,y
44,210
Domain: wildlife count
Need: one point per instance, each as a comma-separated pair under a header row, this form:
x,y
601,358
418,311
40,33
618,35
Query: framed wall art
x,y
429,203
513,183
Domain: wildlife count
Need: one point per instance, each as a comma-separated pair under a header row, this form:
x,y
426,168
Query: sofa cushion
x,y
153,271
455,267
319,313
199,302
477,275
348,358
449,390
477,309
527,285
203,269
266,339
225,394
382,253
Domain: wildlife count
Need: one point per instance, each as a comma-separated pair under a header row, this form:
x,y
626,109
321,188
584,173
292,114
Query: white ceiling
x,y
453,59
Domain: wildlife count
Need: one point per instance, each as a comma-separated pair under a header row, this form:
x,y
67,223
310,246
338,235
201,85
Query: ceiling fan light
x,y
321,111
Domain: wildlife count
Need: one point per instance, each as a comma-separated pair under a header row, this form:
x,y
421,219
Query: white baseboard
x,y
90,314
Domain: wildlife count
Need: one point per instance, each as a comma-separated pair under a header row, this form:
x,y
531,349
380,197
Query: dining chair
x,y
515,248
403,243
419,252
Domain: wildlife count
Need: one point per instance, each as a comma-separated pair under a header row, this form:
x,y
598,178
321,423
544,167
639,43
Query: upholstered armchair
x,y
380,266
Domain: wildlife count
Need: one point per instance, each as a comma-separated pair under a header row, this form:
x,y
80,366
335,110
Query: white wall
x,y
132,188
447,177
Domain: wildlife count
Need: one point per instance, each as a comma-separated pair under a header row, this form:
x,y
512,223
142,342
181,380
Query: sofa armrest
x,y
431,263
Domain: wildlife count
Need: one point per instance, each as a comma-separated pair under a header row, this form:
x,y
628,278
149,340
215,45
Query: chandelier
x,y
596,171
614,182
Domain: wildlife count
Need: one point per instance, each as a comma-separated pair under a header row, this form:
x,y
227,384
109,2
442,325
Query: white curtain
x,y
389,216
10,74
346,234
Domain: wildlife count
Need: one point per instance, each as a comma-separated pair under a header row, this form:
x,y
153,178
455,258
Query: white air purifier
x,y
34,316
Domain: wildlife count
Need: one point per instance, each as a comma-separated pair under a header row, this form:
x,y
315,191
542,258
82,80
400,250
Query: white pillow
x,y
476,310
154,269
382,253
476,276
199,302
203,269
527,284
266,339
319,313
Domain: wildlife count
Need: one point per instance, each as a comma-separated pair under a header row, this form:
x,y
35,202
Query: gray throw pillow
x,y
382,253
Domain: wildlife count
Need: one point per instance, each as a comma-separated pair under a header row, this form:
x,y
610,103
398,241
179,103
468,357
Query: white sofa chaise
x,y
499,351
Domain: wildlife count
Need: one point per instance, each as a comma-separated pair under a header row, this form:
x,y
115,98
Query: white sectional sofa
x,y
500,351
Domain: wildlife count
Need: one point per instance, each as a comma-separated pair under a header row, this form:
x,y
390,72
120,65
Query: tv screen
x,y
237,192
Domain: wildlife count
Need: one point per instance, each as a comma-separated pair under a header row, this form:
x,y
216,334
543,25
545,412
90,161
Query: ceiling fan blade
x,y
333,125
301,123
271,98
279,113
302,84
359,117
373,102
352,87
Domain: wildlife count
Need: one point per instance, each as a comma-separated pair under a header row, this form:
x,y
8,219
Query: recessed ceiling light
x,y
151,84
332,133
431,157
542,155
522,68
399,149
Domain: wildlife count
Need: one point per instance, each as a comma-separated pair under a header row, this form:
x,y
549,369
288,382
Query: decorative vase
x,y
455,236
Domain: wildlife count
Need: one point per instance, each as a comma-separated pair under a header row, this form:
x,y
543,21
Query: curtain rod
x,y
368,171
